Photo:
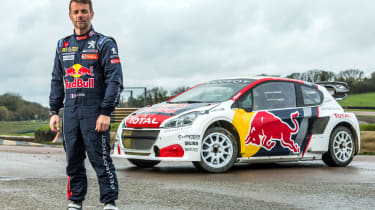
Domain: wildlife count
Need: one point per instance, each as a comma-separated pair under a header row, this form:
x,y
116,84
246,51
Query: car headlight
x,y
184,120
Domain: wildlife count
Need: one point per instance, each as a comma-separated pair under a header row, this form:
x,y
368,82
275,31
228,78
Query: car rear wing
x,y
339,90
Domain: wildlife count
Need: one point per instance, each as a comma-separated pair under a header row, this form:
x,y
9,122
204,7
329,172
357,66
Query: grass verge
x,y
21,127
364,99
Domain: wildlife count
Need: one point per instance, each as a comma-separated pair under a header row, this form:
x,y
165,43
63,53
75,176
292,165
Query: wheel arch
x,y
229,126
353,130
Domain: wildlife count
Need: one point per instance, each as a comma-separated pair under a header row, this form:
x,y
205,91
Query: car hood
x,y
154,116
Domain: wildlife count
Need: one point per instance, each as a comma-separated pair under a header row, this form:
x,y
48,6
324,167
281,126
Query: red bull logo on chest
x,y
266,129
77,71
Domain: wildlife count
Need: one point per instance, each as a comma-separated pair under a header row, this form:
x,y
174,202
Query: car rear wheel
x,y
341,148
144,163
218,151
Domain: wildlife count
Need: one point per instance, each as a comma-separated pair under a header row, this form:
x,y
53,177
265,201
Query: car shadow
x,y
188,168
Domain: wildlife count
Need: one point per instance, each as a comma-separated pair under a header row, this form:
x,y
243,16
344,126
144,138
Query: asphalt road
x,y
33,178
363,113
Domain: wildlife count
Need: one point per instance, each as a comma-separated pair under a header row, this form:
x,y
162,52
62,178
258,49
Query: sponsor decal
x,y
237,96
171,130
68,57
340,116
81,37
89,57
69,49
168,109
113,61
91,33
91,44
191,149
105,154
90,51
234,81
114,51
191,137
66,44
328,108
328,99
218,110
143,121
191,143
77,70
79,83
266,129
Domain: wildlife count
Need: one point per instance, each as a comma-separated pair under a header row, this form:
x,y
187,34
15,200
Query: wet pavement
x,y
34,178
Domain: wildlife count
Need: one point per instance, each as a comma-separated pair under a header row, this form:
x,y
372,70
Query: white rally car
x,y
221,122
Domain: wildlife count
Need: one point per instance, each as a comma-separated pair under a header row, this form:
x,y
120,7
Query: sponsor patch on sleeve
x,y
113,61
89,57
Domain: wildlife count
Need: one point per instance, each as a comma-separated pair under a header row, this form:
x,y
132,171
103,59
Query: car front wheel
x,y
218,151
341,148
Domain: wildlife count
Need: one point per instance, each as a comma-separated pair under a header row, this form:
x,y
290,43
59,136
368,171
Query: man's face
x,y
80,15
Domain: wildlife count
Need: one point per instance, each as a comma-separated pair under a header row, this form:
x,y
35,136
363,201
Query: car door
x,y
276,123
269,121
310,98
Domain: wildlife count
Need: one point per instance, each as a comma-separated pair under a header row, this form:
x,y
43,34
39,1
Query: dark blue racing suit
x,y
87,82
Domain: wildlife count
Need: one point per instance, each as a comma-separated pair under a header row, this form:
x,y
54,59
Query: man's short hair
x,y
82,2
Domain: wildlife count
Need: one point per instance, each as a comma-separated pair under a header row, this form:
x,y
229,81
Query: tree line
x,y
153,96
14,108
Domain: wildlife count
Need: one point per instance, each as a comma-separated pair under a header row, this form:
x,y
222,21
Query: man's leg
x,y
98,150
75,156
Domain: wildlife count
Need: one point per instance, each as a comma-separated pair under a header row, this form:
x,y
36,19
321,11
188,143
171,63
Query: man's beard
x,y
81,26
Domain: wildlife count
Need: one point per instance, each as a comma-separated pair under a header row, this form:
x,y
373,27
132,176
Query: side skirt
x,y
264,159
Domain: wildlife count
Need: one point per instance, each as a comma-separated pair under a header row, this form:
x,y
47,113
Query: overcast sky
x,y
171,43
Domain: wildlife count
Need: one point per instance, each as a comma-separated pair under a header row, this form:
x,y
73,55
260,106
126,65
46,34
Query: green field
x,y
26,128
365,99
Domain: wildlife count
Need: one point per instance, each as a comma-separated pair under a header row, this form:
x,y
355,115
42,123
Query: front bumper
x,y
173,144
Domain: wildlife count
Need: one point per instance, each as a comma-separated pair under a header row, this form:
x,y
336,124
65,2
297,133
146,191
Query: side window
x,y
274,95
311,96
245,102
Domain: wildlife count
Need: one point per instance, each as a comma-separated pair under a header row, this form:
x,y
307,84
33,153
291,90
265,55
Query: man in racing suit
x,y
87,82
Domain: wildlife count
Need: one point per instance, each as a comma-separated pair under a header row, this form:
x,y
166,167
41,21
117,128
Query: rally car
x,y
221,122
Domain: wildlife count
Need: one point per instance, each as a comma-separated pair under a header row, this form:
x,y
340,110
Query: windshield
x,y
214,91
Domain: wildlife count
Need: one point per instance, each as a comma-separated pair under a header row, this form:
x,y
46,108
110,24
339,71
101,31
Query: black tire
x,y
222,146
144,163
341,148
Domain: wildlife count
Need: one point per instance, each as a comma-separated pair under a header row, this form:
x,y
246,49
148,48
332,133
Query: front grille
x,y
139,139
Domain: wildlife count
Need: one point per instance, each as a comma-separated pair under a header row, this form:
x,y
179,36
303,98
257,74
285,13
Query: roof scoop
x,y
339,90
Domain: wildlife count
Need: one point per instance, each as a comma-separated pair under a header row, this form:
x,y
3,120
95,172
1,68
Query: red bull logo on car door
x,y
276,132
266,129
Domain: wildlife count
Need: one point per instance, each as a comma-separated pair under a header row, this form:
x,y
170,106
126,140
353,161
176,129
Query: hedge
x,y
367,127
